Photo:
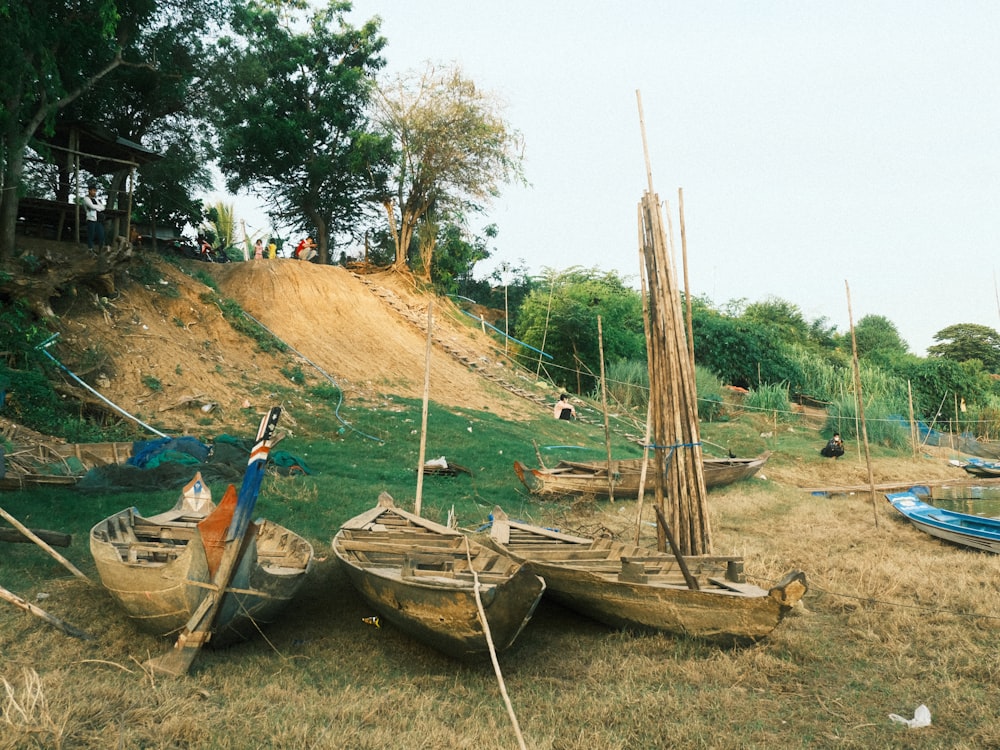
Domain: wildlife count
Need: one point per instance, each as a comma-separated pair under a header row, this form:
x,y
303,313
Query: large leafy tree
x,y
877,336
964,341
52,51
289,103
454,150
560,314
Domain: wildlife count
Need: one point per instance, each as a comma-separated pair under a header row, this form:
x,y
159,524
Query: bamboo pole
x,y
423,417
642,476
604,407
27,606
861,403
37,540
914,436
687,286
675,430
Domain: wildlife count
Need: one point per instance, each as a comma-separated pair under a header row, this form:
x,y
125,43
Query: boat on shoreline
x,y
631,587
158,570
425,579
594,478
965,529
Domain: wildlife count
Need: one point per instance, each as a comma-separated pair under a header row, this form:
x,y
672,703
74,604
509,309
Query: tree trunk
x,y
13,167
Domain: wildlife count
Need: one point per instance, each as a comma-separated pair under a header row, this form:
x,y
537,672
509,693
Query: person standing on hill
x,y
563,408
258,250
95,227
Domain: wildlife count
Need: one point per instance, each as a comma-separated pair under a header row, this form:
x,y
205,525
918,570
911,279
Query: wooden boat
x,y
50,462
421,577
591,477
983,469
631,587
157,569
978,532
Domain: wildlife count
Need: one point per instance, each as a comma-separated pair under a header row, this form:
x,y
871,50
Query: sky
x,y
820,146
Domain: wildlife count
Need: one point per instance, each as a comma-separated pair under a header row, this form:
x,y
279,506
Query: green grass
x,y
893,619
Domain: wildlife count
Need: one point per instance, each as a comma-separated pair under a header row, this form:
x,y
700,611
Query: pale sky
x,y
817,143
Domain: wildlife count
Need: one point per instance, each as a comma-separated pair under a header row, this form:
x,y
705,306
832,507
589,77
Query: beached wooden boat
x,y
591,477
157,569
983,469
420,576
632,587
50,462
978,532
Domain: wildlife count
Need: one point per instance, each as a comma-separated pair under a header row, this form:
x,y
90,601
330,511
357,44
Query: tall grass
x,y
843,417
770,399
628,388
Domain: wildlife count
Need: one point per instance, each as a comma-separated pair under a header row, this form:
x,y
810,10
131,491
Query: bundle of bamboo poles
x,y
678,470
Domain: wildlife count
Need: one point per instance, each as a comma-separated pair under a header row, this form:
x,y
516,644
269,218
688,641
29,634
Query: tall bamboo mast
x,y
678,469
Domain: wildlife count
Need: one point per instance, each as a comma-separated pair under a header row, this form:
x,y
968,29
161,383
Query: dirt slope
x,y
162,350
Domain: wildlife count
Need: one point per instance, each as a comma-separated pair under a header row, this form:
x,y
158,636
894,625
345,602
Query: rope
x,y
325,374
901,605
43,348
493,652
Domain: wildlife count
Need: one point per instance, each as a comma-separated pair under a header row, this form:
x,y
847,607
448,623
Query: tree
x,y
877,335
560,316
290,110
964,341
52,51
453,146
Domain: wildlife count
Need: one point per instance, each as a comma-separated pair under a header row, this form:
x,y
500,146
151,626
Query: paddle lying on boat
x,y
199,627
421,577
978,532
632,587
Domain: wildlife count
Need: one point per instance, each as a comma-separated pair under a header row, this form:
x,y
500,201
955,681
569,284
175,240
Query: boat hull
x,y
160,583
629,587
421,582
963,529
591,477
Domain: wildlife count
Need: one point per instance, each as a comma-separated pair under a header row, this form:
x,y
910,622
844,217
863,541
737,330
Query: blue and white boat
x,y
978,532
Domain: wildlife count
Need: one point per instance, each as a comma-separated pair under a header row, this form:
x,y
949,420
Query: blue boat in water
x,y
977,467
965,529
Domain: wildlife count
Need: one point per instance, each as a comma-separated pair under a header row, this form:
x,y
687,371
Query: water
x,y
976,501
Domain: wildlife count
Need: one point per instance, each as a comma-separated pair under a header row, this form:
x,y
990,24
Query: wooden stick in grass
x,y
37,540
27,606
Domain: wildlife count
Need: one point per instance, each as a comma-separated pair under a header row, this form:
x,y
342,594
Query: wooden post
x,y
861,403
914,435
604,406
423,418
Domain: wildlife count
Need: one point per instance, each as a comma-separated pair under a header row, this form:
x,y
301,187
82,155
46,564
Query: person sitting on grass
x,y
563,408
834,448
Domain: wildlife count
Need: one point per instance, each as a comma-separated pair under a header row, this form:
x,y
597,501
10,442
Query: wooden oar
x,y
198,630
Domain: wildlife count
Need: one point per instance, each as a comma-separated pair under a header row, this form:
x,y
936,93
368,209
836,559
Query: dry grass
x,y
893,619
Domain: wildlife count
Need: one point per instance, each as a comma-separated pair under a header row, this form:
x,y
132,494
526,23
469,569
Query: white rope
x,y
493,652
43,349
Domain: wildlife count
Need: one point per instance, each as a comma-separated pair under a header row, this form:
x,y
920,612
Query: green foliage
x,y
770,399
455,255
627,385
327,392
741,352
967,341
207,280
938,381
560,315
237,318
453,150
842,417
294,374
710,400
290,99
876,335
152,383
